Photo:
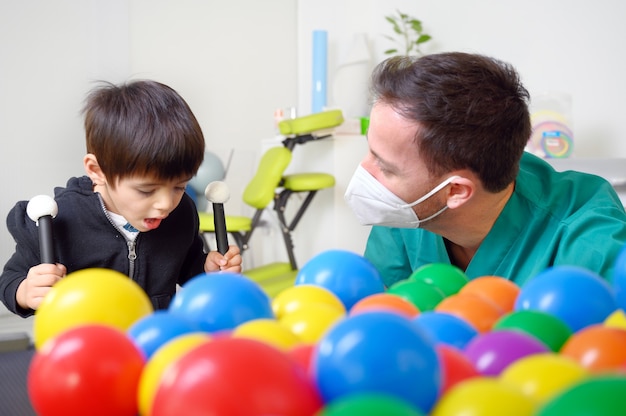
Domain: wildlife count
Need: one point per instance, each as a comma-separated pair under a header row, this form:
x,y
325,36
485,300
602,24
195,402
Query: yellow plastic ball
x,y
269,331
484,396
90,296
543,376
616,320
296,297
310,323
162,358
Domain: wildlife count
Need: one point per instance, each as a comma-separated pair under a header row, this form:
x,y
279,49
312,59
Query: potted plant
x,y
409,37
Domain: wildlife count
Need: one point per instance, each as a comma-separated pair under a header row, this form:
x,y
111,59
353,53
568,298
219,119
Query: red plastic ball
x,y
91,369
236,376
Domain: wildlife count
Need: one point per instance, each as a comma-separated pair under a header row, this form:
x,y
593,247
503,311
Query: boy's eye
x,y
145,191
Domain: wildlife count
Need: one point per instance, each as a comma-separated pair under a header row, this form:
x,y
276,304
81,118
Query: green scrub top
x,y
552,218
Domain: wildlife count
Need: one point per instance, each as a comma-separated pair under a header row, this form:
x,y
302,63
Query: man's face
x,y
394,159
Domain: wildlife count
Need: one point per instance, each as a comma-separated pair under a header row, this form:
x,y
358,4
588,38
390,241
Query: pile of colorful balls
x,y
336,343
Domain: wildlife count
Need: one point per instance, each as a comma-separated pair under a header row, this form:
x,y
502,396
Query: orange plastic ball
x,y
385,302
479,312
598,348
497,289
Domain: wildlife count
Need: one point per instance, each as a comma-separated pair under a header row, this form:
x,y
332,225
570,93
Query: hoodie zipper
x,y
131,244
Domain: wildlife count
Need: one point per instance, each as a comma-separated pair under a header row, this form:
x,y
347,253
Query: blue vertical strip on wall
x,y
320,56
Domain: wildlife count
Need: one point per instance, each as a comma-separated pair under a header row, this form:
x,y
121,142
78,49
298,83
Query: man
x,y
446,178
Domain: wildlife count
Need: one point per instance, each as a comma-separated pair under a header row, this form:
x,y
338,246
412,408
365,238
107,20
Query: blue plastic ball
x,y
152,331
619,279
350,276
577,296
446,328
377,352
221,301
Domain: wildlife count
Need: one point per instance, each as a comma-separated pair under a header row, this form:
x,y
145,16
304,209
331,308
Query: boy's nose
x,y
165,202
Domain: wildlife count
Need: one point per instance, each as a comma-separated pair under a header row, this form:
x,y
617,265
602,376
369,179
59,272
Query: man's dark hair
x,y
471,112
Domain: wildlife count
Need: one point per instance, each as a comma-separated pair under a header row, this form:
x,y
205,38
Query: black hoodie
x,y
84,237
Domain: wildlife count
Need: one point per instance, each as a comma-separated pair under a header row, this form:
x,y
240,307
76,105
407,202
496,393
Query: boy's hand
x,y
37,284
230,261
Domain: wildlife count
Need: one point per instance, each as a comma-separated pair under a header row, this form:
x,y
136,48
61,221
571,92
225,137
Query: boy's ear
x,y
461,191
93,170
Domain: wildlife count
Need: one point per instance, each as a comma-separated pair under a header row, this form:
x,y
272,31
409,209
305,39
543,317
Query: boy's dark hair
x,y
472,112
142,128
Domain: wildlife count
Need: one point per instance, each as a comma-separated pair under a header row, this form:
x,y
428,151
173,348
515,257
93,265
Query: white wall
x,y
571,46
236,61
50,52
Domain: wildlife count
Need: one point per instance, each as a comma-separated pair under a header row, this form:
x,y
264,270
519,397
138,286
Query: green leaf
x,y
391,51
416,25
423,38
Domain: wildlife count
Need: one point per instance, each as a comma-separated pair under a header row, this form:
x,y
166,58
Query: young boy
x,y
130,213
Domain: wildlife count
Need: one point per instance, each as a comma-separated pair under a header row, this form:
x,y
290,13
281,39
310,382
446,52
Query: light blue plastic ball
x,y
211,169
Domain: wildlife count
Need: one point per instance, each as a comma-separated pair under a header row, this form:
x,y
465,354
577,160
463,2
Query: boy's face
x,y
143,201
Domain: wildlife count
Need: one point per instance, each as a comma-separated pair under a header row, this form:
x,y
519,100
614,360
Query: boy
x,y
130,212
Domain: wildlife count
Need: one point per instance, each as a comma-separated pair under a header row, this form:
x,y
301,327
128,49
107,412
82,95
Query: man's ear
x,y
93,170
461,190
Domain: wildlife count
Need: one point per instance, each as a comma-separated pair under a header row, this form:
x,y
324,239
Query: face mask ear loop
x,y
431,193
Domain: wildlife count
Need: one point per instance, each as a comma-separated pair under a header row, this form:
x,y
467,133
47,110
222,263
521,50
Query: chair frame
x,y
279,205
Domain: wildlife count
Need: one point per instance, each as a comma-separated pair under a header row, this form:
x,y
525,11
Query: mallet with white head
x,y
217,193
42,209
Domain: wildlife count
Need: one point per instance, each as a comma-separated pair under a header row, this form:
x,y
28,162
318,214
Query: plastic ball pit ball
x,y
497,289
597,348
154,370
350,276
369,404
445,328
543,376
547,328
235,376
423,295
492,352
478,311
154,330
446,277
484,396
301,296
377,352
575,295
84,297
220,301
92,369
385,302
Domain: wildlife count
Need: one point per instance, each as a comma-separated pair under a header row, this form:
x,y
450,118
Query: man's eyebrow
x,y
382,162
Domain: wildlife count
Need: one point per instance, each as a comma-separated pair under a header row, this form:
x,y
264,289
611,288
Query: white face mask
x,y
373,204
